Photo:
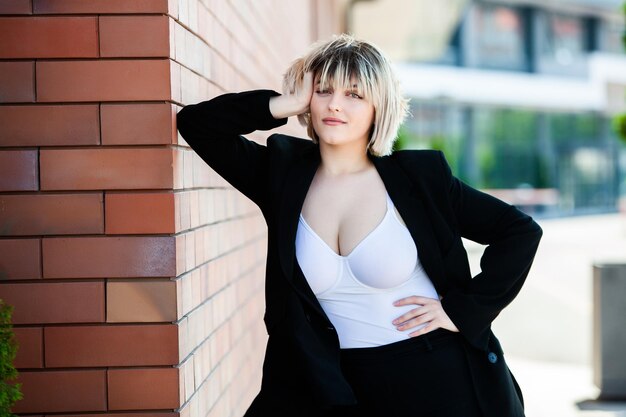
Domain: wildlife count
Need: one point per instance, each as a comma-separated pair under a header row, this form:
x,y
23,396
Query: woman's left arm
x,y
512,238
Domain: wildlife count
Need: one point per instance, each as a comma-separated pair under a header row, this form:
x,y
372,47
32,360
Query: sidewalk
x,y
546,332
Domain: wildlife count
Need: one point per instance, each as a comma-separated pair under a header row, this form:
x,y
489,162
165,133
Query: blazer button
x,y
330,328
492,357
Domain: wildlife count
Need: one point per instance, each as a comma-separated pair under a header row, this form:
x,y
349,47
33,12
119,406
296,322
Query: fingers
x,y
409,315
428,328
430,312
416,321
415,299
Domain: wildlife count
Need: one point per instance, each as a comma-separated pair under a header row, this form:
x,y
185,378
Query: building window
x,y
496,37
611,33
560,43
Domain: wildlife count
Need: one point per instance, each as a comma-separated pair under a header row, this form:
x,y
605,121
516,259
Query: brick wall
x,y
135,271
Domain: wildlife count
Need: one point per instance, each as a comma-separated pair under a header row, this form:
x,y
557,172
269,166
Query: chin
x,y
332,141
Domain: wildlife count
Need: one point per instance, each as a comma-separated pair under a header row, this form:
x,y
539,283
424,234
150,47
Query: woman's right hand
x,y
296,103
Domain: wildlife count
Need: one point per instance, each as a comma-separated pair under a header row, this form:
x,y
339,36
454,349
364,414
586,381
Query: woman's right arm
x,y
213,129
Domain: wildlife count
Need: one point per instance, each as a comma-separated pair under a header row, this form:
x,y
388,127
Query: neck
x,y
348,158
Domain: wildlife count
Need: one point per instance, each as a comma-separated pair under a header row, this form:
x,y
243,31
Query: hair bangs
x,y
348,70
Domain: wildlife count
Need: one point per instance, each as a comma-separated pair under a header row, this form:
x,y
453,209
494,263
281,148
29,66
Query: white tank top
x,y
357,291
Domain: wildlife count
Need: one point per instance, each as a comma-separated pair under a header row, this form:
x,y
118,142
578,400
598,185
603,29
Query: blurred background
x,y
520,95
525,98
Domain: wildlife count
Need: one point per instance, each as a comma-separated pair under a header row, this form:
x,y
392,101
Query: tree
x,y
9,393
620,121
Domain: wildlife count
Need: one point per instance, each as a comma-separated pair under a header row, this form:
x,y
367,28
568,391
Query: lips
x,y
333,121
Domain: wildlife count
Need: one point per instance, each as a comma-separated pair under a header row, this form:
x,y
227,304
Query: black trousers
x,y
424,376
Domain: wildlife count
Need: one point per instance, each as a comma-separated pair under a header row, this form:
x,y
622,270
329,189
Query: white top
x,y
357,291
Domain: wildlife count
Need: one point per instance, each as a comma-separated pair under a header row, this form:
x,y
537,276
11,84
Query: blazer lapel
x,y
409,200
405,195
297,183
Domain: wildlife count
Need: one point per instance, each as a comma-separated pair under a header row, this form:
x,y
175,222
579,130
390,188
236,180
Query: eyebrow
x,y
353,86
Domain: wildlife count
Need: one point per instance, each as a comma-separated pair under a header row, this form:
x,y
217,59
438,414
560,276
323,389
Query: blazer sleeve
x,y
512,238
214,130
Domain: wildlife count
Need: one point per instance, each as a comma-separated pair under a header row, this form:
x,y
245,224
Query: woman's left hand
x,y
429,311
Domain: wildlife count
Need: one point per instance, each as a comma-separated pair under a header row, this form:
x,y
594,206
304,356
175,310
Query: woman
x,y
370,306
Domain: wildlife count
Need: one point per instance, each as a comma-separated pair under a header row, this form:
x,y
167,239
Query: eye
x,y
354,95
322,92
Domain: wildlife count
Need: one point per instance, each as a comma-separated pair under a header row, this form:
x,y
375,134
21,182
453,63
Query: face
x,y
340,116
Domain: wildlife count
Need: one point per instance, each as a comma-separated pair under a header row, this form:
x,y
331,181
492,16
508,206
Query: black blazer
x,y
301,368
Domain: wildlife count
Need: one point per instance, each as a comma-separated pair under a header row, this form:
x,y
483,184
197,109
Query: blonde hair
x,y
339,59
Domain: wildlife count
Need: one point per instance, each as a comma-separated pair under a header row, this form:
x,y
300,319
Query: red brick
x,y
100,6
134,36
103,80
103,257
131,124
193,15
205,25
138,389
179,35
186,377
194,208
62,391
191,86
141,301
17,81
181,265
48,37
49,125
18,171
111,345
66,302
190,251
173,9
190,50
183,11
138,414
200,171
16,7
178,168
223,40
20,259
140,213
30,347
172,42
188,163
96,169
52,214
175,81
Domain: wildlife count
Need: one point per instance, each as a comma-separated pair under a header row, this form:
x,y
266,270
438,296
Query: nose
x,y
334,103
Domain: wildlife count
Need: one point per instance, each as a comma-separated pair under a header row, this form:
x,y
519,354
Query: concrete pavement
x,y
547,330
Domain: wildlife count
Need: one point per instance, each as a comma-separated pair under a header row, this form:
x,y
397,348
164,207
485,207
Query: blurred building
x,y
519,94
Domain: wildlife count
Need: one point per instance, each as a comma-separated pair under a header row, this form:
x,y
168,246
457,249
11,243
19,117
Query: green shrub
x,y
9,393
620,121
619,124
